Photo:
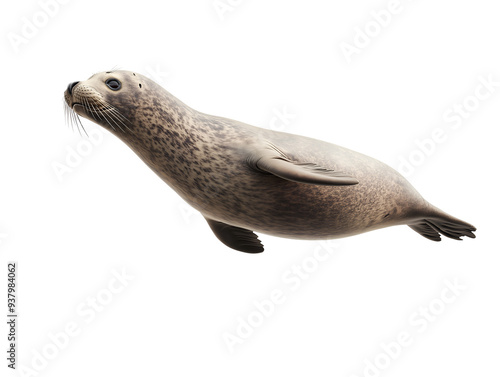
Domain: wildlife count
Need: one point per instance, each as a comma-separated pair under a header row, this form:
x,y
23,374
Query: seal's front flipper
x,y
274,161
236,238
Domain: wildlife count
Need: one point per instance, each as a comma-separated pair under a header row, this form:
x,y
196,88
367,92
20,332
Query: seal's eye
x,y
113,84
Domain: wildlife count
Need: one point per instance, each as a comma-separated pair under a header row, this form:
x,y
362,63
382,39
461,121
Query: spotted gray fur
x,y
212,163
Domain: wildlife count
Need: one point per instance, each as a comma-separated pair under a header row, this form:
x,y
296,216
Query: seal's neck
x,y
165,134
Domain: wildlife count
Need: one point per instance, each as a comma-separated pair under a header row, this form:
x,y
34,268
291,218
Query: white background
x,y
260,57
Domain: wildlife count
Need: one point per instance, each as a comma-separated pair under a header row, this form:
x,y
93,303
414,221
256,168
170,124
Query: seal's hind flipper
x,y
274,161
236,238
446,225
426,231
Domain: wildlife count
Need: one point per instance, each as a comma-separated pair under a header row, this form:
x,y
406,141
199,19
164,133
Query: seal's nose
x,y
71,86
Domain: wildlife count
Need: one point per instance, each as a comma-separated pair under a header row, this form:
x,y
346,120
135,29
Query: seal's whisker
x,y
112,117
80,123
72,120
116,115
68,118
95,111
119,116
65,107
75,122
107,121
67,114
110,114
91,110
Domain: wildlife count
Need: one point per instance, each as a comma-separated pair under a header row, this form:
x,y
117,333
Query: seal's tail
x,y
438,223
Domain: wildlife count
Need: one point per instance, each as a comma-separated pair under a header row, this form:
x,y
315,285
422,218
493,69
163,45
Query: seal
x,y
244,179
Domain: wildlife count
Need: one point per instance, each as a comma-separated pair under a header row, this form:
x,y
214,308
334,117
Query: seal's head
x,y
107,98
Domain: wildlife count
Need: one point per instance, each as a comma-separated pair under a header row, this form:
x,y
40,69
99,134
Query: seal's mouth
x,y
76,104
